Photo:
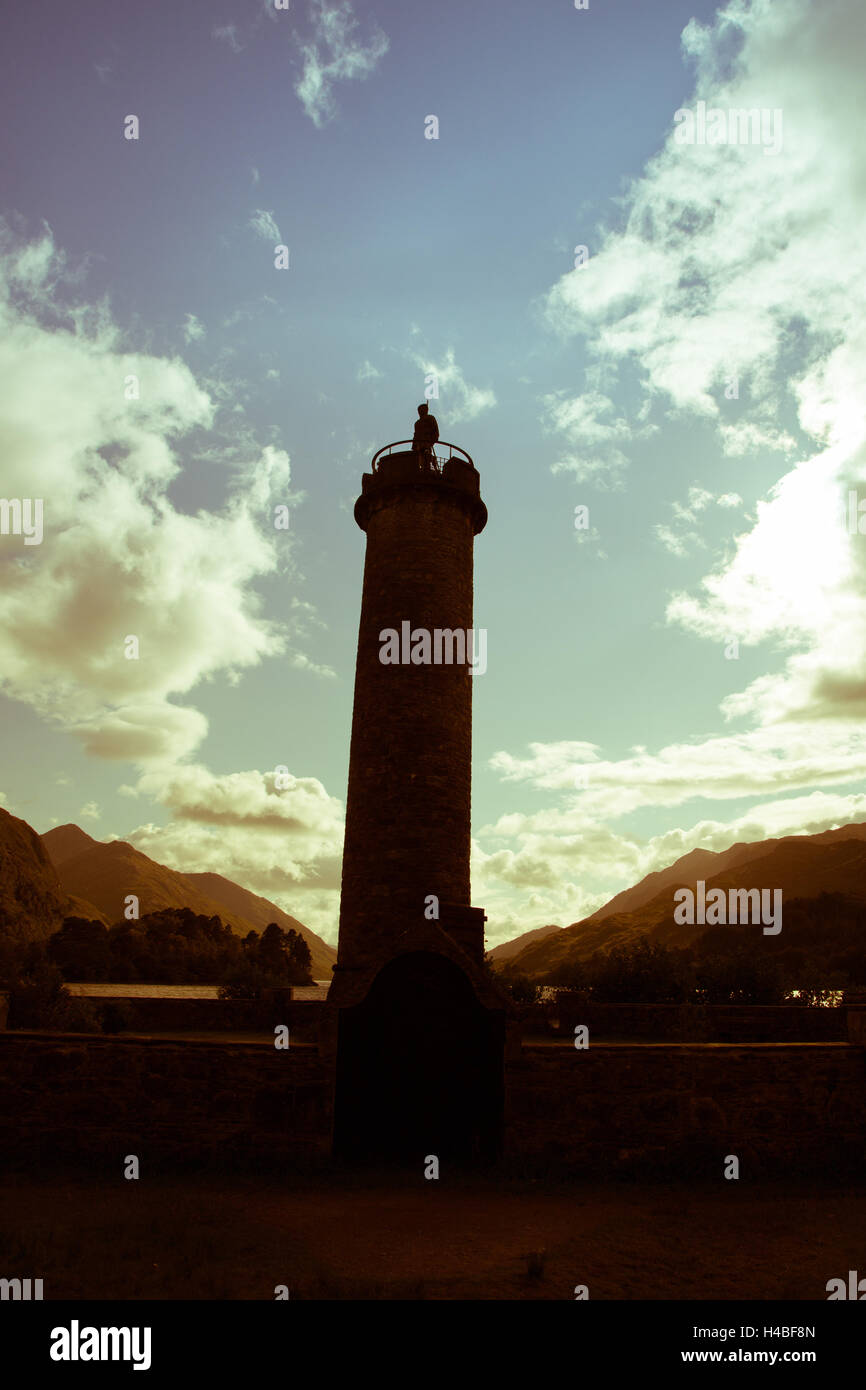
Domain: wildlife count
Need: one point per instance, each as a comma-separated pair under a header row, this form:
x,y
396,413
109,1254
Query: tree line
x,y
172,946
178,946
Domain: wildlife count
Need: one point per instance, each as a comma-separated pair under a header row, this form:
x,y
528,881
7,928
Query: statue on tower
x,y
425,436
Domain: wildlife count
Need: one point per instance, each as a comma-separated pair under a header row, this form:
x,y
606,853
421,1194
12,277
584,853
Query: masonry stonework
x,y
417,1024
783,1108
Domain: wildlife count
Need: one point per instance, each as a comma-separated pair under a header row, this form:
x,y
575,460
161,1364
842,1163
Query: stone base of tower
x,y
417,1044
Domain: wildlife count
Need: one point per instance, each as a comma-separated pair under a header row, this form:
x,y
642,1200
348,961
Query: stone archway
x,y
419,1068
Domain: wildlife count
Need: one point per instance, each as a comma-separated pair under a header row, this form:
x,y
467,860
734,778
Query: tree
x,y
572,975
284,956
300,961
744,978
642,972
522,989
39,999
271,952
80,949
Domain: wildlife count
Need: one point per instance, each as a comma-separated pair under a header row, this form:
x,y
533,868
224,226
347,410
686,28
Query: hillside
x,y
32,900
704,863
99,876
65,842
509,949
802,866
258,912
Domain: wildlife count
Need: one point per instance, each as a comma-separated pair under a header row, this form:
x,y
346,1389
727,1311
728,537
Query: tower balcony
x,y
398,468
405,446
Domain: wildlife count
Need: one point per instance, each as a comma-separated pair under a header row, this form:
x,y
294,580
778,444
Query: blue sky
x,y
713,518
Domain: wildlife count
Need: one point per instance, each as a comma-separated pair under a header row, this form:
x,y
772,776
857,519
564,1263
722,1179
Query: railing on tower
x,y
438,459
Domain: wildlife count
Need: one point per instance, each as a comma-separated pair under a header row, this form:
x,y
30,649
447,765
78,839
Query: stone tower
x,y
419,1025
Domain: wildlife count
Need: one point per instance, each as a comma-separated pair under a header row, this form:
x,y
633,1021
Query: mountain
x,y
508,949
802,866
704,863
258,912
32,900
65,842
99,876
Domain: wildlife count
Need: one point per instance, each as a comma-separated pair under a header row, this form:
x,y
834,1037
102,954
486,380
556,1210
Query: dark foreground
x,y
376,1237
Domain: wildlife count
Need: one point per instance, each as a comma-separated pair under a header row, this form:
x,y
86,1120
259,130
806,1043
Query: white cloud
x,y
561,869
750,437
596,435
563,862
193,329
227,33
753,763
302,662
281,838
457,397
682,535
264,225
334,54
118,559
592,540
367,372
734,264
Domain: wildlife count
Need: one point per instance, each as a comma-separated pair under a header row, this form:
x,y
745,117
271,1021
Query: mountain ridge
x,y
802,866
99,875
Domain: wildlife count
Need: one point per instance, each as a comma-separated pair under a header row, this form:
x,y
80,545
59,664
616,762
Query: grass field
x,y
379,1237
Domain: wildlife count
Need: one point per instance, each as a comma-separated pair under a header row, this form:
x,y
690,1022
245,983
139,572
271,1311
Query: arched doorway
x,y
419,1068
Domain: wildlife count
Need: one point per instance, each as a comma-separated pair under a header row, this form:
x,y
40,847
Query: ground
x,y
380,1237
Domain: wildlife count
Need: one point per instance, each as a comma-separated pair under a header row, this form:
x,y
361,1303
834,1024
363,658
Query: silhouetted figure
x,y
425,436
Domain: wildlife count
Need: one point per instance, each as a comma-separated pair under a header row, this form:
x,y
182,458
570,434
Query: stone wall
x,y
164,1015
617,1107
734,1023
70,1097
620,1107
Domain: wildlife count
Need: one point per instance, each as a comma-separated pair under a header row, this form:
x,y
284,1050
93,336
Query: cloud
x,y
729,261
682,534
367,372
227,33
561,869
567,859
264,225
301,662
733,291
118,559
334,54
461,401
193,329
591,538
596,436
278,835
752,763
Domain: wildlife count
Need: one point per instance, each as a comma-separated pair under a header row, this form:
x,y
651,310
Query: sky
x,y
644,322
